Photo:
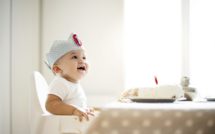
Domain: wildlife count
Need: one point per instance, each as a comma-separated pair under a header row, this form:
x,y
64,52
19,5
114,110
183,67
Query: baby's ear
x,y
56,69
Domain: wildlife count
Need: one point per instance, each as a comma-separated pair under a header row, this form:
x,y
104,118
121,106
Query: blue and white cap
x,y
61,47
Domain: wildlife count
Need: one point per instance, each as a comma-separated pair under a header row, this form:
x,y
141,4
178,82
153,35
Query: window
x,y
169,39
202,46
152,42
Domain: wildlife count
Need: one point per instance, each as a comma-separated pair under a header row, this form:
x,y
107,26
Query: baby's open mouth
x,y
83,68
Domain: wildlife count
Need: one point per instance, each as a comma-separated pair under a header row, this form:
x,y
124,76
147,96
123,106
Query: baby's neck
x,y
70,79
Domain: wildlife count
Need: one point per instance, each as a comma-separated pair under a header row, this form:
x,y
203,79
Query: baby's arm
x,y
56,106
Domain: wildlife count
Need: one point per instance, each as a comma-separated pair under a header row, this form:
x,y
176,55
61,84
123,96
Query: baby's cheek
x,y
87,67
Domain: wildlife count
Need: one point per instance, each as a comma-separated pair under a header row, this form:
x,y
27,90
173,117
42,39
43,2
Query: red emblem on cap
x,y
77,42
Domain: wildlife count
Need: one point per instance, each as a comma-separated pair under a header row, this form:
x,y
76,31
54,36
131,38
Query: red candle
x,y
156,80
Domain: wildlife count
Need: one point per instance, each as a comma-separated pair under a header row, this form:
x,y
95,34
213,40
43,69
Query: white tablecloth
x,y
155,118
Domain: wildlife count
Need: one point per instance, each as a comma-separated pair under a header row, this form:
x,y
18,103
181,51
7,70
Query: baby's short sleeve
x,y
58,88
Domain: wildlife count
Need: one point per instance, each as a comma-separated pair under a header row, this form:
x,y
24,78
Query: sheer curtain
x,y
169,39
152,42
202,46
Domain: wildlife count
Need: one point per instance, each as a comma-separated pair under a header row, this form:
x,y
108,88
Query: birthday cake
x,y
161,92
158,92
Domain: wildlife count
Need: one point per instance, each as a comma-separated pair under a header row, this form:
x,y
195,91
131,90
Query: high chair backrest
x,y
41,88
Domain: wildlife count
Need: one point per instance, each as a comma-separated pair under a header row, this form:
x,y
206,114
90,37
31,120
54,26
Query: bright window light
x,y
152,42
202,46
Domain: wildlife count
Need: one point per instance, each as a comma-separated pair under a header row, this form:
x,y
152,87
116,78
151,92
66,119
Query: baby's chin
x,y
81,74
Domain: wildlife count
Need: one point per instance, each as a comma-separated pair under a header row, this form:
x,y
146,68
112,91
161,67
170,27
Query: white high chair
x,y
44,123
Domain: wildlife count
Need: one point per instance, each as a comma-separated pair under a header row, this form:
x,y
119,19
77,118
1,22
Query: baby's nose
x,y
81,61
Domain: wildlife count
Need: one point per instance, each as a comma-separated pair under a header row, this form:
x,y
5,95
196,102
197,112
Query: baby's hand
x,y
90,111
81,114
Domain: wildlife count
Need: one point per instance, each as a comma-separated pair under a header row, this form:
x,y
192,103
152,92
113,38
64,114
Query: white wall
x,y
19,55
25,50
99,24
5,67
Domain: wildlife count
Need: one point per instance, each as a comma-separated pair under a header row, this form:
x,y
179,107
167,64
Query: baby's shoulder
x,y
58,82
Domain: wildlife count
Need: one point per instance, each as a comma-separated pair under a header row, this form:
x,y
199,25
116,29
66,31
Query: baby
x,y
67,60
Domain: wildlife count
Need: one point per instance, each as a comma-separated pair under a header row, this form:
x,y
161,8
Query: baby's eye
x,y
84,57
74,57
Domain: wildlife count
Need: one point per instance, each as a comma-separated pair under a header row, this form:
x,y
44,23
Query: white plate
x,y
210,98
152,100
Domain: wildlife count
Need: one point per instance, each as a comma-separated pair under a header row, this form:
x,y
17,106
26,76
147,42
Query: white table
x,y
155,118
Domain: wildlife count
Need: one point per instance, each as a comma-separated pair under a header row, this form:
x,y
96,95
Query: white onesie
x,y
70,93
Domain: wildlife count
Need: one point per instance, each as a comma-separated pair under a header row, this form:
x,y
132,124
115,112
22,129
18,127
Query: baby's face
x,y
73,65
